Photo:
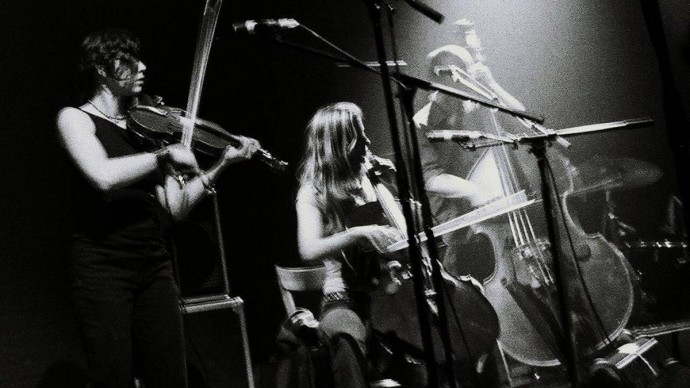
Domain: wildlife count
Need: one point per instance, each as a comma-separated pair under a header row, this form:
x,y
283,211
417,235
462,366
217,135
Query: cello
x,y
473,324
521,286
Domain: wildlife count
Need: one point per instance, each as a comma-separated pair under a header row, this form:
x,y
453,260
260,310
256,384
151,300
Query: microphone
x,y
426,10
251,27
454,135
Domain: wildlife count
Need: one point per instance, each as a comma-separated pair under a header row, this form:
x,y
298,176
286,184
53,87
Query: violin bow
x,y
203,49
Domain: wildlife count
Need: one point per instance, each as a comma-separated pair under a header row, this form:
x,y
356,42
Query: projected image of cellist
x,y
512,254
446,166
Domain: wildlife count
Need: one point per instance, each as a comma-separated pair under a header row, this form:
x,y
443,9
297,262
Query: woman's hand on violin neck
x,y
377,236
246,149
179,157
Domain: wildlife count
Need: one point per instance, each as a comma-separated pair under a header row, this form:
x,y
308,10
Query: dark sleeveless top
x,y
361,266
125,221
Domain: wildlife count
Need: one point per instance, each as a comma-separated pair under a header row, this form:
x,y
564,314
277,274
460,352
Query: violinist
x,y
333,184
445,164
124,292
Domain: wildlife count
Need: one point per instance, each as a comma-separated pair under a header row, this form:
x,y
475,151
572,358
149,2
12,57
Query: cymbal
x,y
615,173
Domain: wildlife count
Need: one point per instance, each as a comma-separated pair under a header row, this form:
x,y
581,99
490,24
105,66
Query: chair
x,y
301,279
298,279
306,365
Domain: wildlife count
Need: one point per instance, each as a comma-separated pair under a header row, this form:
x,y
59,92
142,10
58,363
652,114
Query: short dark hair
x,y
103,49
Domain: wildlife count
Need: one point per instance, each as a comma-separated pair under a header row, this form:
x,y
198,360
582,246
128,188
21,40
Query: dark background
x,y
575,62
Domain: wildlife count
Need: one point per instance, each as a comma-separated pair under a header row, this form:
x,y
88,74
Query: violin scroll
x,y
271,161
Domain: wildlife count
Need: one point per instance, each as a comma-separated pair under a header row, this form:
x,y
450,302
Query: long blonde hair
x,y
328,166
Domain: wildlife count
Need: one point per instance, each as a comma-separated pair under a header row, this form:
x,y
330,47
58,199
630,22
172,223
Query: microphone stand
x,y
403,80
406,95
407,87
569,346
423,308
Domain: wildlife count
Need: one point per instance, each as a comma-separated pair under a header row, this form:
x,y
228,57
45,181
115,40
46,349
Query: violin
x,y
155,121
166,124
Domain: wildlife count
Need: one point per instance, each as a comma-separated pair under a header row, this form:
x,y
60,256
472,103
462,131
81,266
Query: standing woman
x,y
333,183
124,291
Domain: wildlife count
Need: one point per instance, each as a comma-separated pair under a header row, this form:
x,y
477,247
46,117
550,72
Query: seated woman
x,y
333,183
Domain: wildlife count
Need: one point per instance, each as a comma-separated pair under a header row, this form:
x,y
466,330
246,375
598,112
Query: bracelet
x,y
206,182
162,156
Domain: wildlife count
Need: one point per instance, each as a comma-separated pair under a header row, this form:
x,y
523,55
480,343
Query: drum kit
x,y
616,174
662,266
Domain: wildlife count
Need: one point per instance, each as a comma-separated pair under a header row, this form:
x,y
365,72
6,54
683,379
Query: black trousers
x,y
130,320
343,327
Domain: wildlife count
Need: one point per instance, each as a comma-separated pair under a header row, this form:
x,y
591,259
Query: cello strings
x,y
513,228
529,229
509,186
523,222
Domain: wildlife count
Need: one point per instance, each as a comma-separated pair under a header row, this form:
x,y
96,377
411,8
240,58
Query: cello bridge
x,y
532,264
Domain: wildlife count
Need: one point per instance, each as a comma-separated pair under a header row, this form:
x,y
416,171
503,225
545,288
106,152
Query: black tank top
x,y
127,221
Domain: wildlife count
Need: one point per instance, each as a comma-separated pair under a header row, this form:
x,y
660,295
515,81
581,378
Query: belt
x,y
335,296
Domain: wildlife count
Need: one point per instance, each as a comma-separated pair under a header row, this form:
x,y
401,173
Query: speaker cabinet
x,y
197,245
216,343
214,322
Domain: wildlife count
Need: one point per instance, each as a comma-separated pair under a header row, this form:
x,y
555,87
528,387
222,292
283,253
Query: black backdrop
x,y
576,63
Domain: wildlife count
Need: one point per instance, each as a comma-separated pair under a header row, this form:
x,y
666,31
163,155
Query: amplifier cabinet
x,y
216,342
